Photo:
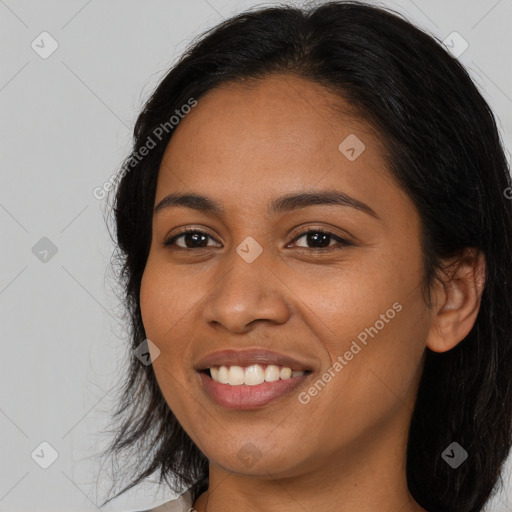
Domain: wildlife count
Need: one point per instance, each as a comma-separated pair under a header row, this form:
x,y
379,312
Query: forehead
x,y
278,118
244,142
282,111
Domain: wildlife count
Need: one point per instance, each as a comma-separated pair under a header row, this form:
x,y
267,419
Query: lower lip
x,y
249,397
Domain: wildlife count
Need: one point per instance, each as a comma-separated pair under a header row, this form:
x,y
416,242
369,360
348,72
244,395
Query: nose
x,y
245,294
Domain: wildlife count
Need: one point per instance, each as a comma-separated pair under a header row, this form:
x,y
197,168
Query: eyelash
x,y
341,241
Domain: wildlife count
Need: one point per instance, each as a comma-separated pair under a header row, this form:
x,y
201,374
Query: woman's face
x,y
353,315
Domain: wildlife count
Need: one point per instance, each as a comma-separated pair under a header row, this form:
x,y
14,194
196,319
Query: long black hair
x,y
444,150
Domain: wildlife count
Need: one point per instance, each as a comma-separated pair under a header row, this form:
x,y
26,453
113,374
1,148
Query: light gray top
x,y
180,504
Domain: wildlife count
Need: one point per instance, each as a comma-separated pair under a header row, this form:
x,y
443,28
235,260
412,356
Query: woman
x,y
316,250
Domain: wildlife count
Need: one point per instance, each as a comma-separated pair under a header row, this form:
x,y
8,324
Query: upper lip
x,y
248,357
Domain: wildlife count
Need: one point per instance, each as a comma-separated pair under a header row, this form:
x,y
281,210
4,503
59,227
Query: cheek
x,y
373,316
163,311
170,303
150,301
375,362
343,301
160,302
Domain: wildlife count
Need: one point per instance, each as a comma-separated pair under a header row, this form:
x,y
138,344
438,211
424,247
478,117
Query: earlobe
x,y
458,299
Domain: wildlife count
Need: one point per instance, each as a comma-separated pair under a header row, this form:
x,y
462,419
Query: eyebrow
x,y
279,205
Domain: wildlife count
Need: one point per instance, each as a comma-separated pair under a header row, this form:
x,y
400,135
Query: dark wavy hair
x,y
444,150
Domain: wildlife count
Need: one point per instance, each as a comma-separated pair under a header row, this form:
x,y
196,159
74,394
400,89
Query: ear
x,y
457,297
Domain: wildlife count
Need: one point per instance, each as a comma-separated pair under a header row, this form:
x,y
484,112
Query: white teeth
x,y
236,375
252,375
271,373
223,375
285,373
220,374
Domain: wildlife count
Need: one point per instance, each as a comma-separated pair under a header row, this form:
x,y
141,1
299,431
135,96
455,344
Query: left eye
x,y
314,236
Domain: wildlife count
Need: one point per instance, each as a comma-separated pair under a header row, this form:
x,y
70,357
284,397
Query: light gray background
x,y
66,125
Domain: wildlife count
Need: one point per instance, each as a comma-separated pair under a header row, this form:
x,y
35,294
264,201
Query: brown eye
x,y
193,238
316,240
321,240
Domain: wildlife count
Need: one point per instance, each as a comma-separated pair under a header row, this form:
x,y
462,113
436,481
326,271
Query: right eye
x,y
194,236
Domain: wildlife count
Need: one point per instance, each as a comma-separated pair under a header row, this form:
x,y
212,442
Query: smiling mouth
x,y
252,375
246,387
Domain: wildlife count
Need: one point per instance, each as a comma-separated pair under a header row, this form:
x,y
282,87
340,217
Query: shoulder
x,y
180,504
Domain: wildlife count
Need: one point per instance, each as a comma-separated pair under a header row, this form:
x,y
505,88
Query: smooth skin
x,y
243,146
